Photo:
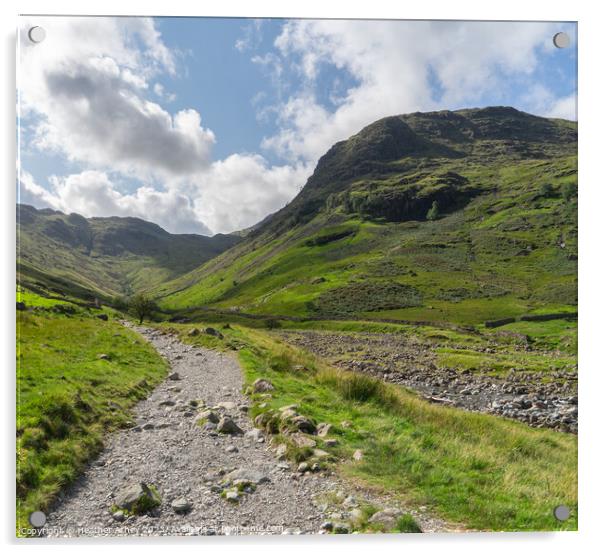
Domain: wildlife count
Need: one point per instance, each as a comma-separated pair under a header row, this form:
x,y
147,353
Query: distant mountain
x,y
105,256
461,216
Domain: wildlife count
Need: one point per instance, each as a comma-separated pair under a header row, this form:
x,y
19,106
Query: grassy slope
x,y
67,397
482,471
498,257
105,257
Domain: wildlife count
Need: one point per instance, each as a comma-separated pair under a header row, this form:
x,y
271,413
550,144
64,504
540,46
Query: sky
x,y
206,125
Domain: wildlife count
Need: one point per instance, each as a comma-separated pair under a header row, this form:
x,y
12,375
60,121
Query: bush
x,y
546,190
271,324
406,525
433,212
569,190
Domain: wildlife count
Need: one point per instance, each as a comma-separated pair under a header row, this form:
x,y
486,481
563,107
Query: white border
x,y
590,211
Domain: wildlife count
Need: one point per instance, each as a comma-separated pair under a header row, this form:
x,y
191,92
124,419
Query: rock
x,y
255,434
340,528
356,515
303,424
233,496
209,416
137,498
320,453
327,525
387,518
358,455
323,429
167,403
174,376
281,452
104,356
303,467
119,516
301,440
227,426
148,426
331,442
21,306
213,332
262,385
346,424
349,501
194,332
103,317
231,449
181,505
227,405
246,475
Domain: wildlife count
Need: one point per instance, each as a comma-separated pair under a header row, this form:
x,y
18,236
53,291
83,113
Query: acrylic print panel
x,y
296,276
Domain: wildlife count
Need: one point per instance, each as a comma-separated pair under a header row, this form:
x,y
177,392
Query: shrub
x,y
569,190
433,212
142,306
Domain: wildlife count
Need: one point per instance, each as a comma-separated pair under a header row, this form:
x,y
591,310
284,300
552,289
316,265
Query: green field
x,y
68,397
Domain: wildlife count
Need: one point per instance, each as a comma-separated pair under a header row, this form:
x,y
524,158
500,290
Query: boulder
x,y
246,475
303,424
209,416
103,317
21,306
302,440
194,332
262,385
227,426
137,498
213,332
174,376
323,429
387,518
181,505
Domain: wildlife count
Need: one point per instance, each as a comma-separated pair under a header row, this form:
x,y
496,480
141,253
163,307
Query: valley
x,y
419,295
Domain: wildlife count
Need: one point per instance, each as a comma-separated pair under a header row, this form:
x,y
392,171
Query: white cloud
x,y
89,95
400,67
93,194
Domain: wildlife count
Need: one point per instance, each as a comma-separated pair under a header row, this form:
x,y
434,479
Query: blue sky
x,y
207,125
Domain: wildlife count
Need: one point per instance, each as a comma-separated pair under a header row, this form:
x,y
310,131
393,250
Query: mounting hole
x,y
37,519
561,40
36,34
562,512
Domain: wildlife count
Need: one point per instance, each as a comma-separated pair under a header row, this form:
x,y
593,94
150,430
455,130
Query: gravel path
x,y
180,458
168,449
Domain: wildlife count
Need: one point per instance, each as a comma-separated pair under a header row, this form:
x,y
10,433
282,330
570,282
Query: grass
x,y
484,472
68,398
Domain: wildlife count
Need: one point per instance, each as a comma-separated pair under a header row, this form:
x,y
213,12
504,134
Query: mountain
x,y
104,256
462,216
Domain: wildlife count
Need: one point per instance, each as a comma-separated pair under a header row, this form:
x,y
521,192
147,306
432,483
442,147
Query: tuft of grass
x,y
406,525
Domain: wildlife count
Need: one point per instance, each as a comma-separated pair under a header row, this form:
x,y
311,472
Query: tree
x,y
142,306
433,212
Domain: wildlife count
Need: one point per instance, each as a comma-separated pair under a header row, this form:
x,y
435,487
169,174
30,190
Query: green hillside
x,y
364,240
104,257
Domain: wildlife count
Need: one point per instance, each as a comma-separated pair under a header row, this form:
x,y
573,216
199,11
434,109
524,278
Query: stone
x,y
209,416
356,515
281,452
213,332
323,429
302,440
303,424
181,505
387,518
138,498
227,405
227,426
233,496
119,516
331,442
247,475
167,403
303,467
148,426
21,306
346,424
340,528
256,435
262,385
194,332
320,453
103,317
231,449
104,356
327,525
358,455
174,376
